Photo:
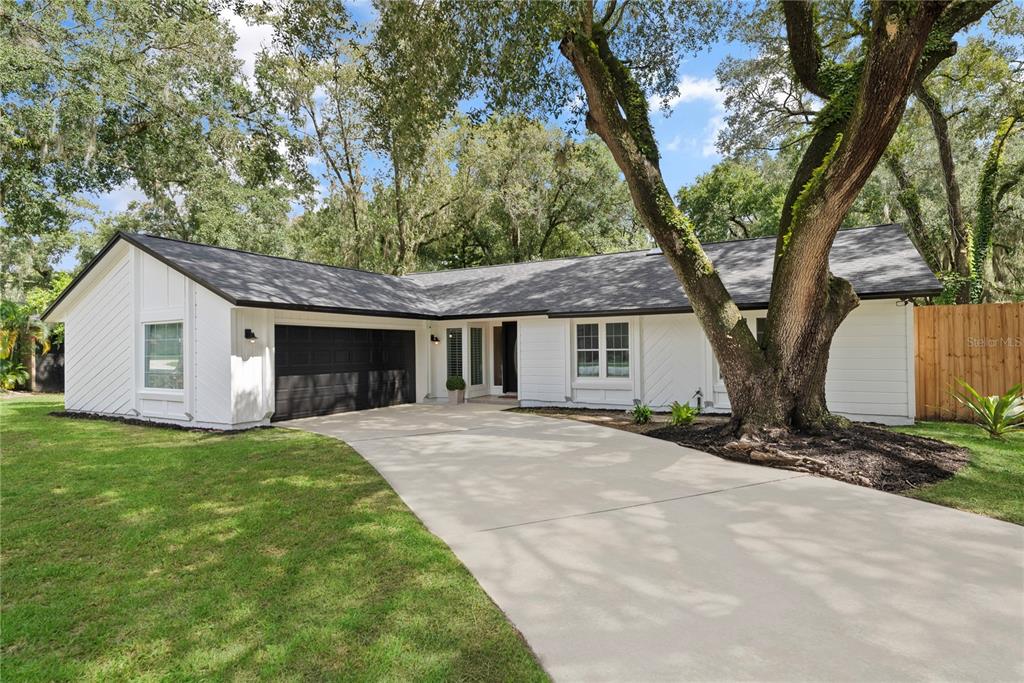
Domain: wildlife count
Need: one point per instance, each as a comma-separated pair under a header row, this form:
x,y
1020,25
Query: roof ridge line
x,y
256,253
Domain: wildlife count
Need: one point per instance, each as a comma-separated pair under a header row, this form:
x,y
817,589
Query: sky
x,y
686,134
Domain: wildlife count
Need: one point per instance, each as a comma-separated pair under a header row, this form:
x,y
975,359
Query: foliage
x,y
997,415
990,484
12,374
21,329
736,199
455,383
129,96
641,413
683,414
209,556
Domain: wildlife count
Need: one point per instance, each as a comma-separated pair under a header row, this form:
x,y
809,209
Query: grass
x,y
992,484
149,553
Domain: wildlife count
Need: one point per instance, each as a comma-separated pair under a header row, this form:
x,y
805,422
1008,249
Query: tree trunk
x,y
779,382
988,199
961,239
910,200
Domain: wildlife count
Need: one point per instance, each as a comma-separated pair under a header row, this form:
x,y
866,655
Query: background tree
x,y
737,199
101,96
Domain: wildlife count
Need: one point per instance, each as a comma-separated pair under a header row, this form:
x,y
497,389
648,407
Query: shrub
x,y
12,374
455,383
683,413
641,413
997,415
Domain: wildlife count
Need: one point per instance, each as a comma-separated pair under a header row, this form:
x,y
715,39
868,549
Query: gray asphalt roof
x,y
251,279
879,261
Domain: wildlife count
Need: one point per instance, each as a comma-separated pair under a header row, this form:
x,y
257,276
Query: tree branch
x,y
804,44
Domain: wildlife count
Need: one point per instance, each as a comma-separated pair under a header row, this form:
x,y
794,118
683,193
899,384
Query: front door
x,y
509,369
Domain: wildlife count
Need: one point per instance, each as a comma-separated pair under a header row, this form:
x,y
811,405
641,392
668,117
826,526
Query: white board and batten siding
x,y
871,364
228,380
870,372
543,360
105,337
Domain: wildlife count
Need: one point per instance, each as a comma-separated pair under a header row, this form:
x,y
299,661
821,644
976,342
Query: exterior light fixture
x,y
250,336
435,340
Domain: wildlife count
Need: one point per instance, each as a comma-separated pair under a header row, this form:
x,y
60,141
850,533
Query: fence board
x,y
983,344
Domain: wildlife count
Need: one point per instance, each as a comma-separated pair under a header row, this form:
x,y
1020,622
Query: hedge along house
x,y
205,336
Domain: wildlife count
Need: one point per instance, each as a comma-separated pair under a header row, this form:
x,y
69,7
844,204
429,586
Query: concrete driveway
x,y
625,558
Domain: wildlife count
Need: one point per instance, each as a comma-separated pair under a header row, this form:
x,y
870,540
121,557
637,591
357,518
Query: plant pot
x,y
457,396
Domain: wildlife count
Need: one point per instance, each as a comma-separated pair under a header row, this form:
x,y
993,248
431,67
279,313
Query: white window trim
x,y
602,380
159,392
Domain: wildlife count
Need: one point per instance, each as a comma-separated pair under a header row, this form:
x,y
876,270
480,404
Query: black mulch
x,y
864,454
861,454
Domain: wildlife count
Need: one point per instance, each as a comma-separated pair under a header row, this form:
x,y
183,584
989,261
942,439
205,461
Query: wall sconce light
x,y
434,339
250,336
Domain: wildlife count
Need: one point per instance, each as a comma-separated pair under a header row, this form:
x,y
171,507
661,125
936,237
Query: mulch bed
x,y
863,454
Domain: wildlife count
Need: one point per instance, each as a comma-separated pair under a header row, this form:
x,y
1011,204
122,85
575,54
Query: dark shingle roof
x,y
248,279
879,261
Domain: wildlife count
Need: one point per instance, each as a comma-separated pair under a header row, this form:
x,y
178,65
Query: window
x,y
588,354
454,335
498,348
617,345
164,366
602,351
476,355
760,326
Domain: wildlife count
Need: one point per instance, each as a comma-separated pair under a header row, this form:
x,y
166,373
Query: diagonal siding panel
x,y
98,361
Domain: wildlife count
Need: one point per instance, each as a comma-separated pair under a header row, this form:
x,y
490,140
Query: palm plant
x,y
17,323
997,415
20,330
12,374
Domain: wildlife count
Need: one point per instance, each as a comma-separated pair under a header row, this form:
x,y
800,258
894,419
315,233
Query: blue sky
x,y
686,135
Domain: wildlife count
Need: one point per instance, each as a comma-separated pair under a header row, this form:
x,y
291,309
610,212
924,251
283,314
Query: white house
x,y
205,336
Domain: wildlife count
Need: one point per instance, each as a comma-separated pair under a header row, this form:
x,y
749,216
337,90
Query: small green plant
x,y
12,374
455,383
683,413
997,415
641,413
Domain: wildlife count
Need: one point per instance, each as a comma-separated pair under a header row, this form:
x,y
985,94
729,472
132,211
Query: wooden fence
x,y
982,344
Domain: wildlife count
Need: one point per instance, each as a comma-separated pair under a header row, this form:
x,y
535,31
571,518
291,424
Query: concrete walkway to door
x,y
625,558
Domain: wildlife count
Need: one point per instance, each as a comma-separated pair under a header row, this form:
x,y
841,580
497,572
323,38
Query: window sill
x,y
625,383
162,394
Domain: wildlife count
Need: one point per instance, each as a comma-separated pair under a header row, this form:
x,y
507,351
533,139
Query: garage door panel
x,y
322,370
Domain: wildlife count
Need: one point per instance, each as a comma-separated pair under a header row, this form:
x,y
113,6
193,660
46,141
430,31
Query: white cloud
x,y
251,39
711,131
118,199
692,90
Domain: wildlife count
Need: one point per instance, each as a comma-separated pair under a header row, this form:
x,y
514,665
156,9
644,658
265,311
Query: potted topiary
x,y
456,389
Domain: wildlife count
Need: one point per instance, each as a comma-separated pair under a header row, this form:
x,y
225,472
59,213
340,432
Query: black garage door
x,y
322,370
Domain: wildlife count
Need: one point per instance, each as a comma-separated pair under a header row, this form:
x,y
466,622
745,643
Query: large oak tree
x,y
621,53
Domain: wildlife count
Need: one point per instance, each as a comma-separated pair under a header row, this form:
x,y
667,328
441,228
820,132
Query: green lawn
x,y
992,484
142,552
